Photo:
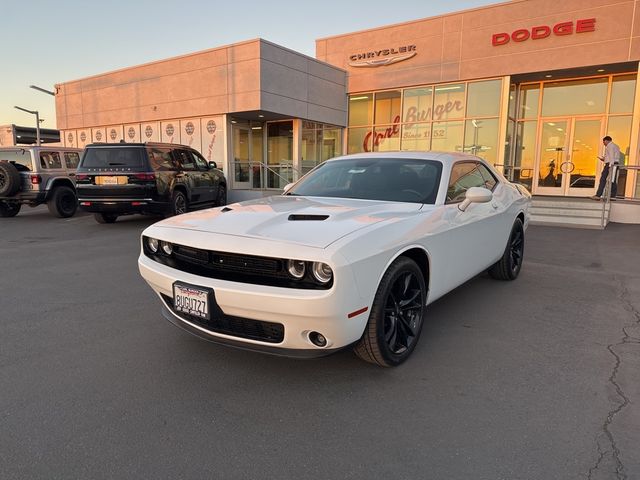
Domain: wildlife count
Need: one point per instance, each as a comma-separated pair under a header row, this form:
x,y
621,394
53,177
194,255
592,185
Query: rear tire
x,y
9,209
179,204
9,179
105,217
63,202
509,266
396,317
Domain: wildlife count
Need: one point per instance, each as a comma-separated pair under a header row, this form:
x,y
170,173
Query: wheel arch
x,y
60,182
421,257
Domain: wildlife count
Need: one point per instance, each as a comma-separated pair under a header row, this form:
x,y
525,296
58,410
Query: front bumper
x,y
300,312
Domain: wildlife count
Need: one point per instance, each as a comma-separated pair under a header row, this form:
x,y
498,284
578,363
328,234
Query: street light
x,y
33,112
44,90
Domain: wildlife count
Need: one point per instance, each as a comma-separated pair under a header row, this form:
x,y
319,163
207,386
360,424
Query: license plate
x,y
192,300
111,180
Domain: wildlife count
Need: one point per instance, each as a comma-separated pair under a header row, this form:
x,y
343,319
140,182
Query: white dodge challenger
x,y
350,255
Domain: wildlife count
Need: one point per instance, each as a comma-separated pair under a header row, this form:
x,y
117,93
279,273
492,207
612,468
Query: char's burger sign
x,y
544,31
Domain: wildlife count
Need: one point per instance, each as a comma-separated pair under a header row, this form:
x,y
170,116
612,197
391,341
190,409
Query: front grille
x,y
235,326
252,269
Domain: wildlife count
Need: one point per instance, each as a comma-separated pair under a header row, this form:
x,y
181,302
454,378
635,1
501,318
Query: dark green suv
x,y
149,178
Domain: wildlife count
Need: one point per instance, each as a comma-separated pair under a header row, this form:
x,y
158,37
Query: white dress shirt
x,y
611,154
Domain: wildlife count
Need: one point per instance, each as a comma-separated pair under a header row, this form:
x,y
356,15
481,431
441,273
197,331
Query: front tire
x,y
105,217
63,202
9,209
509,266
396,317
221,198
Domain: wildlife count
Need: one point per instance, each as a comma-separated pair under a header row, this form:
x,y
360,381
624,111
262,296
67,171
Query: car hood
x,y
310,221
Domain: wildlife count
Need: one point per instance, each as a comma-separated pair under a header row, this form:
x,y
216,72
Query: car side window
x,y
489,180
464,175
185,159
71,160
50,160
200,162
160,159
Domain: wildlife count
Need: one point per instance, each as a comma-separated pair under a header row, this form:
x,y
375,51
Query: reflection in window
x,y
319,143
416,136
577,97
361,109
619,129
360,140
418,104
622,94
484,98
50,160
386,138
387,107
279,154
525,151
447,136
481,139
449,102
529,97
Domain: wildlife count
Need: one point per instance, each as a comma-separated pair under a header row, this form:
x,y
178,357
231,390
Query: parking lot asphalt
x,y
533,379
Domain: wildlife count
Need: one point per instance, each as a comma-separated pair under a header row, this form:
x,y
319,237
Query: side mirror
x,y
287,187
475,195
213,165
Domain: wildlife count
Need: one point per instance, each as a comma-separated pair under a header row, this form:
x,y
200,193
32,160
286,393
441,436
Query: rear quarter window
x,y
20,158
71,159
50,160
160,159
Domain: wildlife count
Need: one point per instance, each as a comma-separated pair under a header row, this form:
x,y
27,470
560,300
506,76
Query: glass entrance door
x,y
568,156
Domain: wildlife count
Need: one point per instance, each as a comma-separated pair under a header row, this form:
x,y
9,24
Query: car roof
x,y
138,144
443,157
54,148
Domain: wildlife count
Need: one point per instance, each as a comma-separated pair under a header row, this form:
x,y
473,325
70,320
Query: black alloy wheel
x,y
179,203
63,202
509,266
9,209
396,316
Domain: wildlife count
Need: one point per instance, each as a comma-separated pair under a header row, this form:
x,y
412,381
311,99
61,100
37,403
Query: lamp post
x,y
43,90
33,112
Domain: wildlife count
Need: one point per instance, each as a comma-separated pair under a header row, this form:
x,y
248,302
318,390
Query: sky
x,y
43,42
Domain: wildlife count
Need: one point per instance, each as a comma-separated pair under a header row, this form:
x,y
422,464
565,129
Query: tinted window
x,y
71,159
20,158
386,179
201,162
106,157
161,159
185,159
465,175
50,160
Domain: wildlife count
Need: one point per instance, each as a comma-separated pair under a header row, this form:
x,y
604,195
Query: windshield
x,y
113,157
386,179
20,158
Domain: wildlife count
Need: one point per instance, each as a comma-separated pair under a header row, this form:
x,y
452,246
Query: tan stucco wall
x,y
459,46
213,82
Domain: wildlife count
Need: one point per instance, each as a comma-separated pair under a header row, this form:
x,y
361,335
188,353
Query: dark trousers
x,y
603,181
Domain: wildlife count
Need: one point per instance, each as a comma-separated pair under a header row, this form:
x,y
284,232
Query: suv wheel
x,y
63,202
221,198
9,209
105,217
9,179
179,204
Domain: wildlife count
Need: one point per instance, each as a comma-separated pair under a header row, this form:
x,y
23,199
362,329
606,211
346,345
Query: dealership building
x,y
532,86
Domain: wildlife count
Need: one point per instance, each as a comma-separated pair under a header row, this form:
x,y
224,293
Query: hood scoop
x,y
298,217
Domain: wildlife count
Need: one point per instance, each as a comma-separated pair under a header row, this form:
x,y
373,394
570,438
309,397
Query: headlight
x,y
167,248
296,268
322,272
152,243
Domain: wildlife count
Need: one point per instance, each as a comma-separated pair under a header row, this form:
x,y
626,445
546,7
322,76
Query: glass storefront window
x,y
529,97
360,140
319,143
481,139
525,153
483,98
386,138
576,97
449,102
416,136
512,100
623,90
619,129
418,104
447,136
279,154
387,107
361,109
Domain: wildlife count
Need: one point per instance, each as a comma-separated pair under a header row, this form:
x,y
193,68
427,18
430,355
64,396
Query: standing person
x,y
611,158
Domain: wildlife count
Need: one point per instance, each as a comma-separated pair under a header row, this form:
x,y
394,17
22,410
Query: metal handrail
x,y
606,195
268,168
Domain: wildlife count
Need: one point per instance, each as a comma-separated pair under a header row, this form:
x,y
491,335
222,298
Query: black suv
x,y
116,179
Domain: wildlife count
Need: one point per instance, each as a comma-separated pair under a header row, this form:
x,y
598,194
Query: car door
x,y
188,174
474,233
209,179
71,161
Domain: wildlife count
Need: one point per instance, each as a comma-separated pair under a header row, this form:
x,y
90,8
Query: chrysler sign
x,y
544,31
384,56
